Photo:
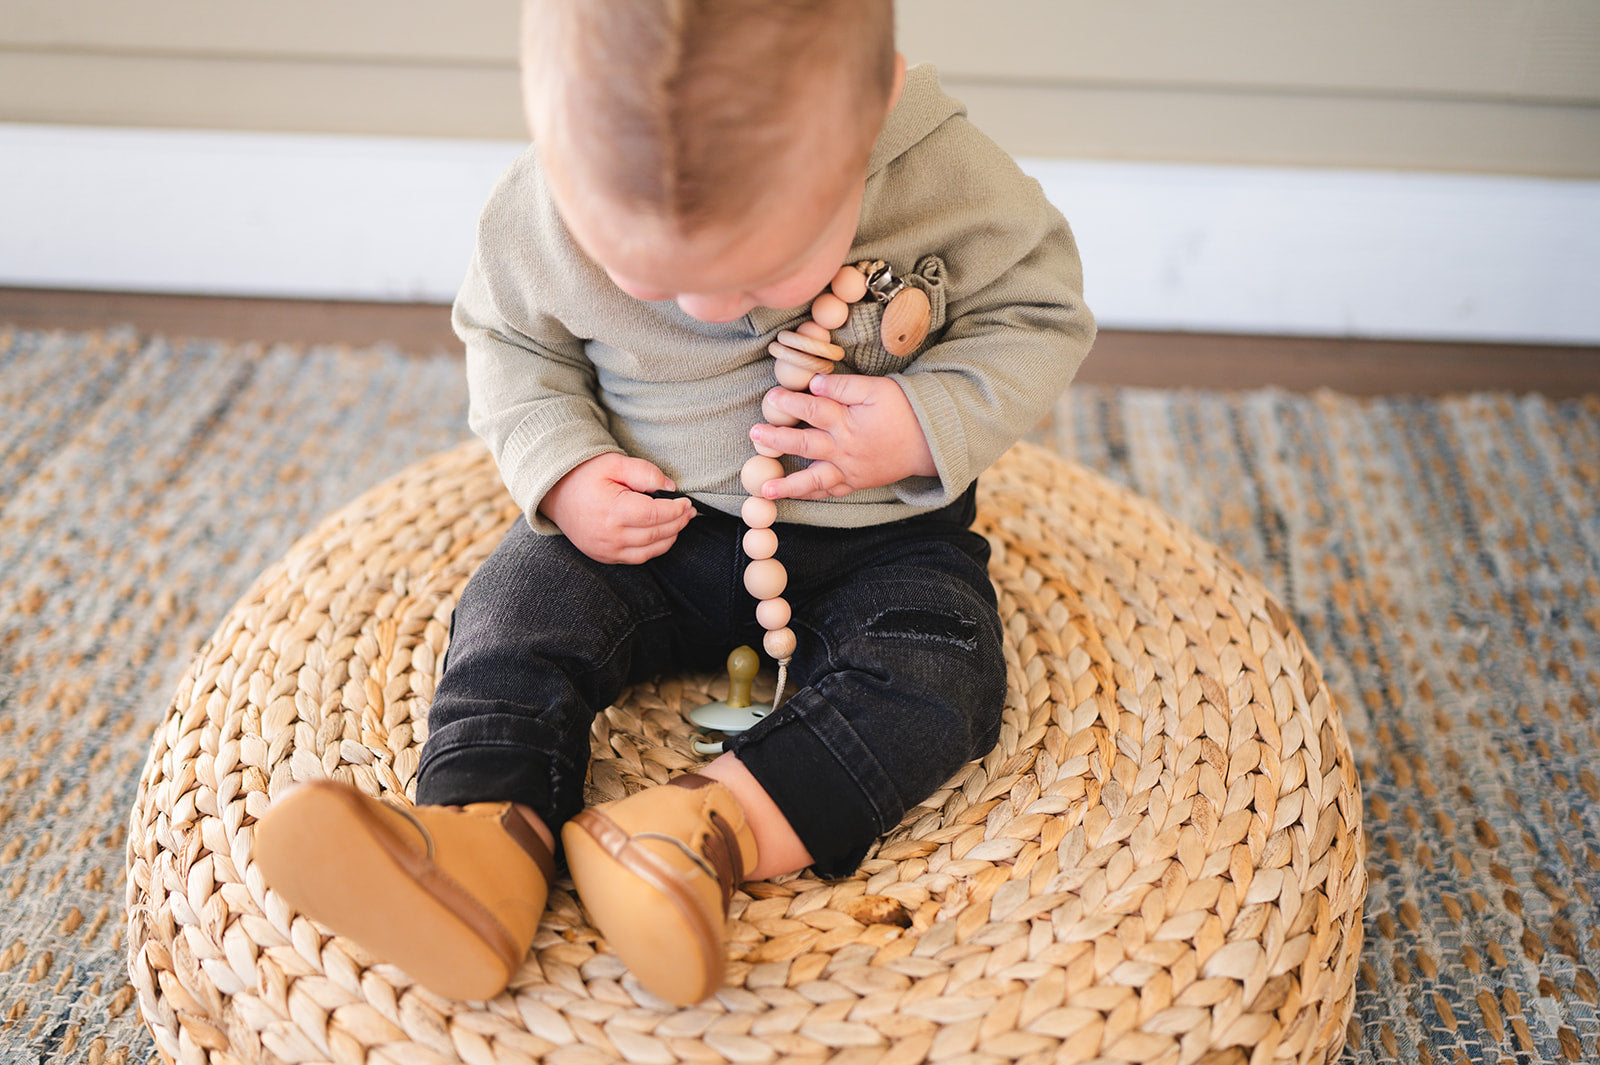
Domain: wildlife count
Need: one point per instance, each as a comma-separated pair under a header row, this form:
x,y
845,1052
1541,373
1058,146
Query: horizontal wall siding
x,y
1534,50
482,31
287,95
1508,86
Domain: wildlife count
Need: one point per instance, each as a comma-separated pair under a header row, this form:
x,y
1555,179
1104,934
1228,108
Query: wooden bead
x,y
773,415
757,471
814,331
759,513
829,311
849,284
905,322
805,360
773,613
779,643
765,578
760,543
801,342
794,378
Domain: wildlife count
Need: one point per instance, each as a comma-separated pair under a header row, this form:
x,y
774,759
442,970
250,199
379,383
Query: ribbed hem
x,y
942,427
544,448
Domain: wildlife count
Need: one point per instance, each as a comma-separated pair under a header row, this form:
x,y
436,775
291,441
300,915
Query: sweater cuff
x,y
942,427
543,449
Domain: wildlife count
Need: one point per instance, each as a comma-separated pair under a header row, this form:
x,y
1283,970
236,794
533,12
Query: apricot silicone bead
x,y
761,543
773,415
765,578
849,284
757,471
794,378
773,613
829,311
759,512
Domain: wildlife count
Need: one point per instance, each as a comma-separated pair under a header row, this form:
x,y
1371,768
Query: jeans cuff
x,y
478,766
812,765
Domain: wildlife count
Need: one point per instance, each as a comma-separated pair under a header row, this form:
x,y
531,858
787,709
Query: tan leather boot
x,y
656,871
451,894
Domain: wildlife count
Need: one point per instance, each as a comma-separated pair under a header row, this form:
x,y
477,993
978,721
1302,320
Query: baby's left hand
x,y
860,432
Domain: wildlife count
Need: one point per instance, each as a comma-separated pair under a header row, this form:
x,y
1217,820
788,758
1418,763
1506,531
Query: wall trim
x,y
1310,252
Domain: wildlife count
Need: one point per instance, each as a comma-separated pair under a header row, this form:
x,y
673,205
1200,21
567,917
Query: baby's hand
x,y
605,508
860,432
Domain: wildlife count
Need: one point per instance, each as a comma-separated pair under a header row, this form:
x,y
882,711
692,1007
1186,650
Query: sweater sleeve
x,y
1016,326
531,390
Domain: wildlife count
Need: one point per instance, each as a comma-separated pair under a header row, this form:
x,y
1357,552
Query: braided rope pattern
x,y
1161,861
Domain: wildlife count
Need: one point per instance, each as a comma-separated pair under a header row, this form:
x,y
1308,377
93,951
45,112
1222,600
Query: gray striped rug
x,y
1441,555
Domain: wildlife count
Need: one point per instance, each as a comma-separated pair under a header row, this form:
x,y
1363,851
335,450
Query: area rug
x,y
1442,557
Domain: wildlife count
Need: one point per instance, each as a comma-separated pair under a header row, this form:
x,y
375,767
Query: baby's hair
x,y
681,107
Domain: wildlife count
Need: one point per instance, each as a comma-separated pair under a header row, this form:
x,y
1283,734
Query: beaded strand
x,y
800,355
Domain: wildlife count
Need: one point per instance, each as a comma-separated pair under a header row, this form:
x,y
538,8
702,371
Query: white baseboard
x,y
1200,248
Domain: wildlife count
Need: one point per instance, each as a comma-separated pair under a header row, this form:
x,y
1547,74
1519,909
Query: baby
x,y
700,171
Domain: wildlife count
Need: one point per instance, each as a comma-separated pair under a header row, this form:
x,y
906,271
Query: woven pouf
x,y
1160,862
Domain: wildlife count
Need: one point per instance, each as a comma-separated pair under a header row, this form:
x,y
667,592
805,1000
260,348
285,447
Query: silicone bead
x,y
773,613
757,471
829,311
794,378
773,415
765,578
849,284
759,513
760,543
905,322
814,331
779,643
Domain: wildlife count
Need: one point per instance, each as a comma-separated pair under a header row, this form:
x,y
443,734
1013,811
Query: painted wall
x,y
1502,86
1422,169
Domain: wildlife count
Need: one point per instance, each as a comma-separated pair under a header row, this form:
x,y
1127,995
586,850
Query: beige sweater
x,y
563,366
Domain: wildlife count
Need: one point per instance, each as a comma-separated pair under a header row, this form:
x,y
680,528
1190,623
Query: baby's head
x,y
710,151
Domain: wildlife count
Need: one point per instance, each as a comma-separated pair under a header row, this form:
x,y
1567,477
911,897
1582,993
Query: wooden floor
x,y
1159,360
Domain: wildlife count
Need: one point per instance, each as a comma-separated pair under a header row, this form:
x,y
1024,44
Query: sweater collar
x,y
923,106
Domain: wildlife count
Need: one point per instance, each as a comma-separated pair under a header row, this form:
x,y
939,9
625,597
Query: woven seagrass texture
x,y
1441,555
1160,862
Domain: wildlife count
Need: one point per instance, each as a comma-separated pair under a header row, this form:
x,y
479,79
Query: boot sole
x,y
339,863
650,918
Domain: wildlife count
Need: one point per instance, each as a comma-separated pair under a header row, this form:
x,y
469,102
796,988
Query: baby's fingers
x,y
804,442
820,480
651,530
639,475
637,512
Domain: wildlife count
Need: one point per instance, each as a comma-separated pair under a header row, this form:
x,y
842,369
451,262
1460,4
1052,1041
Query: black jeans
x,y
898,680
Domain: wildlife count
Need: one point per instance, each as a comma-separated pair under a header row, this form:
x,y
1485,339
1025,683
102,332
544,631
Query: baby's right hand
x,y
605,508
